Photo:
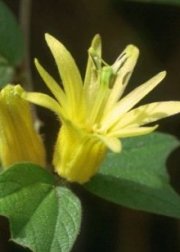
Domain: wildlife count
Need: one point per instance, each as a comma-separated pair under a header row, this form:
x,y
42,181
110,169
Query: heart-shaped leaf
x,y
137,177
42,216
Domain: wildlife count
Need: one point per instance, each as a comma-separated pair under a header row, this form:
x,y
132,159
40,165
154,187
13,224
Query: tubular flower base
x,y
94,114
79,150
18,139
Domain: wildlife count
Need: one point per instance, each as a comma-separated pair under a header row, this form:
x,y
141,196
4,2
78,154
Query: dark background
x,y
155,29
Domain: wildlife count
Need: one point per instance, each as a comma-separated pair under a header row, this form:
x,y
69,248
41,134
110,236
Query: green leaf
x,y
42,216
170,2
137,177
6,72
11,42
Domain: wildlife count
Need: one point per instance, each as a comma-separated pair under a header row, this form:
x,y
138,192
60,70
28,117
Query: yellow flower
x,y
18,138
94,114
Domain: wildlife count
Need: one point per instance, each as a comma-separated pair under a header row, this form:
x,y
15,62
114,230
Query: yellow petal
x,y
130,132
45,101
95,111
130,100
126,63
112,143
96,46
51,84
91,82
148,113
68,71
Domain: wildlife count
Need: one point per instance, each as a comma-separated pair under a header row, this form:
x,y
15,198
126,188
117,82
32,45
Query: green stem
x,y
25,21
26,74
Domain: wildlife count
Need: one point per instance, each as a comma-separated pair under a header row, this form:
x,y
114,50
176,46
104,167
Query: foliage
x,y
42,216
11,44
43,213
137,178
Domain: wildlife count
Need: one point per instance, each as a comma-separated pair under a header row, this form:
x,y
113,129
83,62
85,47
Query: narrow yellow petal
x,y
45,101
51,84
148,113
68,71
132,131
112,143
130,100
91,81
98,104
97,47
126,63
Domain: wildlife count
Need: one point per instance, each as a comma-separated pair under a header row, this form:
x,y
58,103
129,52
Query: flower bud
x,y
19,140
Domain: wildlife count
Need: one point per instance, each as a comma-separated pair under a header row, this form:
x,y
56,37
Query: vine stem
x,y
25,23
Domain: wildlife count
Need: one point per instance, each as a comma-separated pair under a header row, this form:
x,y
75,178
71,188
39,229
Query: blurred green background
x,y
154,26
